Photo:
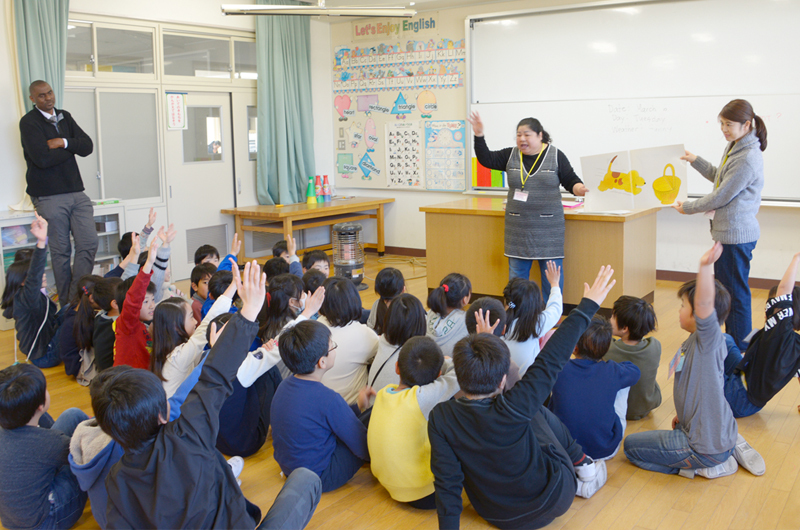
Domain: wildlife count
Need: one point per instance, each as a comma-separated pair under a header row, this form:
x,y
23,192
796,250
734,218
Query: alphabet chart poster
x,y
403,155
445,155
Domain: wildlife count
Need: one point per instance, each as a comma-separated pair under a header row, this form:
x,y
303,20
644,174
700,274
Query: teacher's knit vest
x,y
535,228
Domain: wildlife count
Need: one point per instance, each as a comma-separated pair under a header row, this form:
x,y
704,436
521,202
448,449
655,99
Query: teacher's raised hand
x,y
474,119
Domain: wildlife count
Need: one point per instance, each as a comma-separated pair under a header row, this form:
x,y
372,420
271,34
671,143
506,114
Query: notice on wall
x,y
176,111
445,155
403,155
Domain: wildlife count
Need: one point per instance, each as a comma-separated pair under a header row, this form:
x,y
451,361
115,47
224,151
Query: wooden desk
x,y
290,217
466,236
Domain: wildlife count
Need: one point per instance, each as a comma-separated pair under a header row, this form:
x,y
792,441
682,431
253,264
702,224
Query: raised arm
x,y
33,281
787,282
705,292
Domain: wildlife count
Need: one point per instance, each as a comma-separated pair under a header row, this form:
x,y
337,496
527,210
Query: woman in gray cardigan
x,y
732,206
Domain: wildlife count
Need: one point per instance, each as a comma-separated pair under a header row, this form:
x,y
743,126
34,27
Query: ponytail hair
x,y
405,318
15,277
169,331
525,306
536,126
740,111
276,311
448,296
83,328
389,284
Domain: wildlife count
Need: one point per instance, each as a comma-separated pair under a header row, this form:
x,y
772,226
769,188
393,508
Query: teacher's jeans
x,y
65,213
521,268
732,269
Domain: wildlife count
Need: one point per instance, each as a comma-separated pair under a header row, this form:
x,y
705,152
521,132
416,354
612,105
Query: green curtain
x,y
285,121
41,27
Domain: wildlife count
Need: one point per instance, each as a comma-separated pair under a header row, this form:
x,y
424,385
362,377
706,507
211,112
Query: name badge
x,y
520,195
676,364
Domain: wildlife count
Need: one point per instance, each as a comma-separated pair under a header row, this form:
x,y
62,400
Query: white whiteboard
x,y
623,77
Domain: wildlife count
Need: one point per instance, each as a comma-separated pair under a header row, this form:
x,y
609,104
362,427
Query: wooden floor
x,y
632,498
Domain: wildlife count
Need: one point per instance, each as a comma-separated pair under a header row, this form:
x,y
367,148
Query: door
x,y
200,179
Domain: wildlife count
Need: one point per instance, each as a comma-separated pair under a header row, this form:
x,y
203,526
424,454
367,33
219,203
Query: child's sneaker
x,y
586,469
748,457
588,488
237,465
724,469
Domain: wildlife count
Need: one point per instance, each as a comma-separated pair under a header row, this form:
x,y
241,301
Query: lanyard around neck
x,y
719,180
522,175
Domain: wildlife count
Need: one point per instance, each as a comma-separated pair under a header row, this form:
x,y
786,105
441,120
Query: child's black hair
x,y
202,271
274,267
405,318
105,292
310,258
525,306
127,403
122,290
279,248
23,389
722,298
219,320
452,289
313,280
389,284
218,283
303,345
278,312
342,303
205,251
169,331
420,361
83,325
493,307
125,244
635,314
15,277
23,253
143,258
595,341
795,305
480,362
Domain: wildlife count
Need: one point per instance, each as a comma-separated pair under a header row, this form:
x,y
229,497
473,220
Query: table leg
x,y
237,220
287,229
381,245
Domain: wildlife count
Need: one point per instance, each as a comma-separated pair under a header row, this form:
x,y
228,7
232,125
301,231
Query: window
x,y
197,56
252,132
202,139
245,59
81,104
80,54
124,51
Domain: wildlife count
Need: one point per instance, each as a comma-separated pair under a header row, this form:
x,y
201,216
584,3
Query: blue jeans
x,y
732,269
521,268
67,500
668,452
736,396
296,502
49,359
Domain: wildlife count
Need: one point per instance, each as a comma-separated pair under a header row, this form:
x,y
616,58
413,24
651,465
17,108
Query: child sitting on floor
x,y
389,284
590,395
397,437
631,319
201,274
446,315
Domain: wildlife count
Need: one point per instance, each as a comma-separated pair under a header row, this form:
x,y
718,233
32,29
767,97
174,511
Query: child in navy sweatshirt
x,y
587,389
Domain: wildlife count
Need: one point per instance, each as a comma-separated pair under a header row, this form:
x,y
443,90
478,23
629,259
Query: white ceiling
x,y
420,5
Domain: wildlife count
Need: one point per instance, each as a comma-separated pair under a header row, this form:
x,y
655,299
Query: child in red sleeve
x,y
133,343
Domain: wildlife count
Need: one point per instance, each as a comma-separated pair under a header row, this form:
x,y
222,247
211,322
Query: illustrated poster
x,y
445,155
403,150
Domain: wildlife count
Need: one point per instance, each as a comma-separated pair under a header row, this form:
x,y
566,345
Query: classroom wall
x,y
195,12
681,239
12,174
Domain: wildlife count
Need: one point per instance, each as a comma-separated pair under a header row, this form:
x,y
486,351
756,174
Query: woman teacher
x,y
534,220
732,207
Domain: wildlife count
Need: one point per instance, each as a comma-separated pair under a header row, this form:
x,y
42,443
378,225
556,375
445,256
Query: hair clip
x,y
445,287
85,290
512,305
269,299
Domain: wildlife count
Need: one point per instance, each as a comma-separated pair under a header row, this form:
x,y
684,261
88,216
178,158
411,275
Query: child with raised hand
x,y
133,342
772,358
217,285
399,450
704,438
528,318
25,300
389,284
586,393
103,337
129,265
178,340
358,344
405,318
312,426
201,274
446,315
631,319
515,459
38,489
479,310
75,332
165,462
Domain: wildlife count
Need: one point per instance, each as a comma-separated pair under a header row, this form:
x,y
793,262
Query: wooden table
x,y
466,236
290,217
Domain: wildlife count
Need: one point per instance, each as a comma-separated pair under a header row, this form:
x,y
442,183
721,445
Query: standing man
x,y
50,141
